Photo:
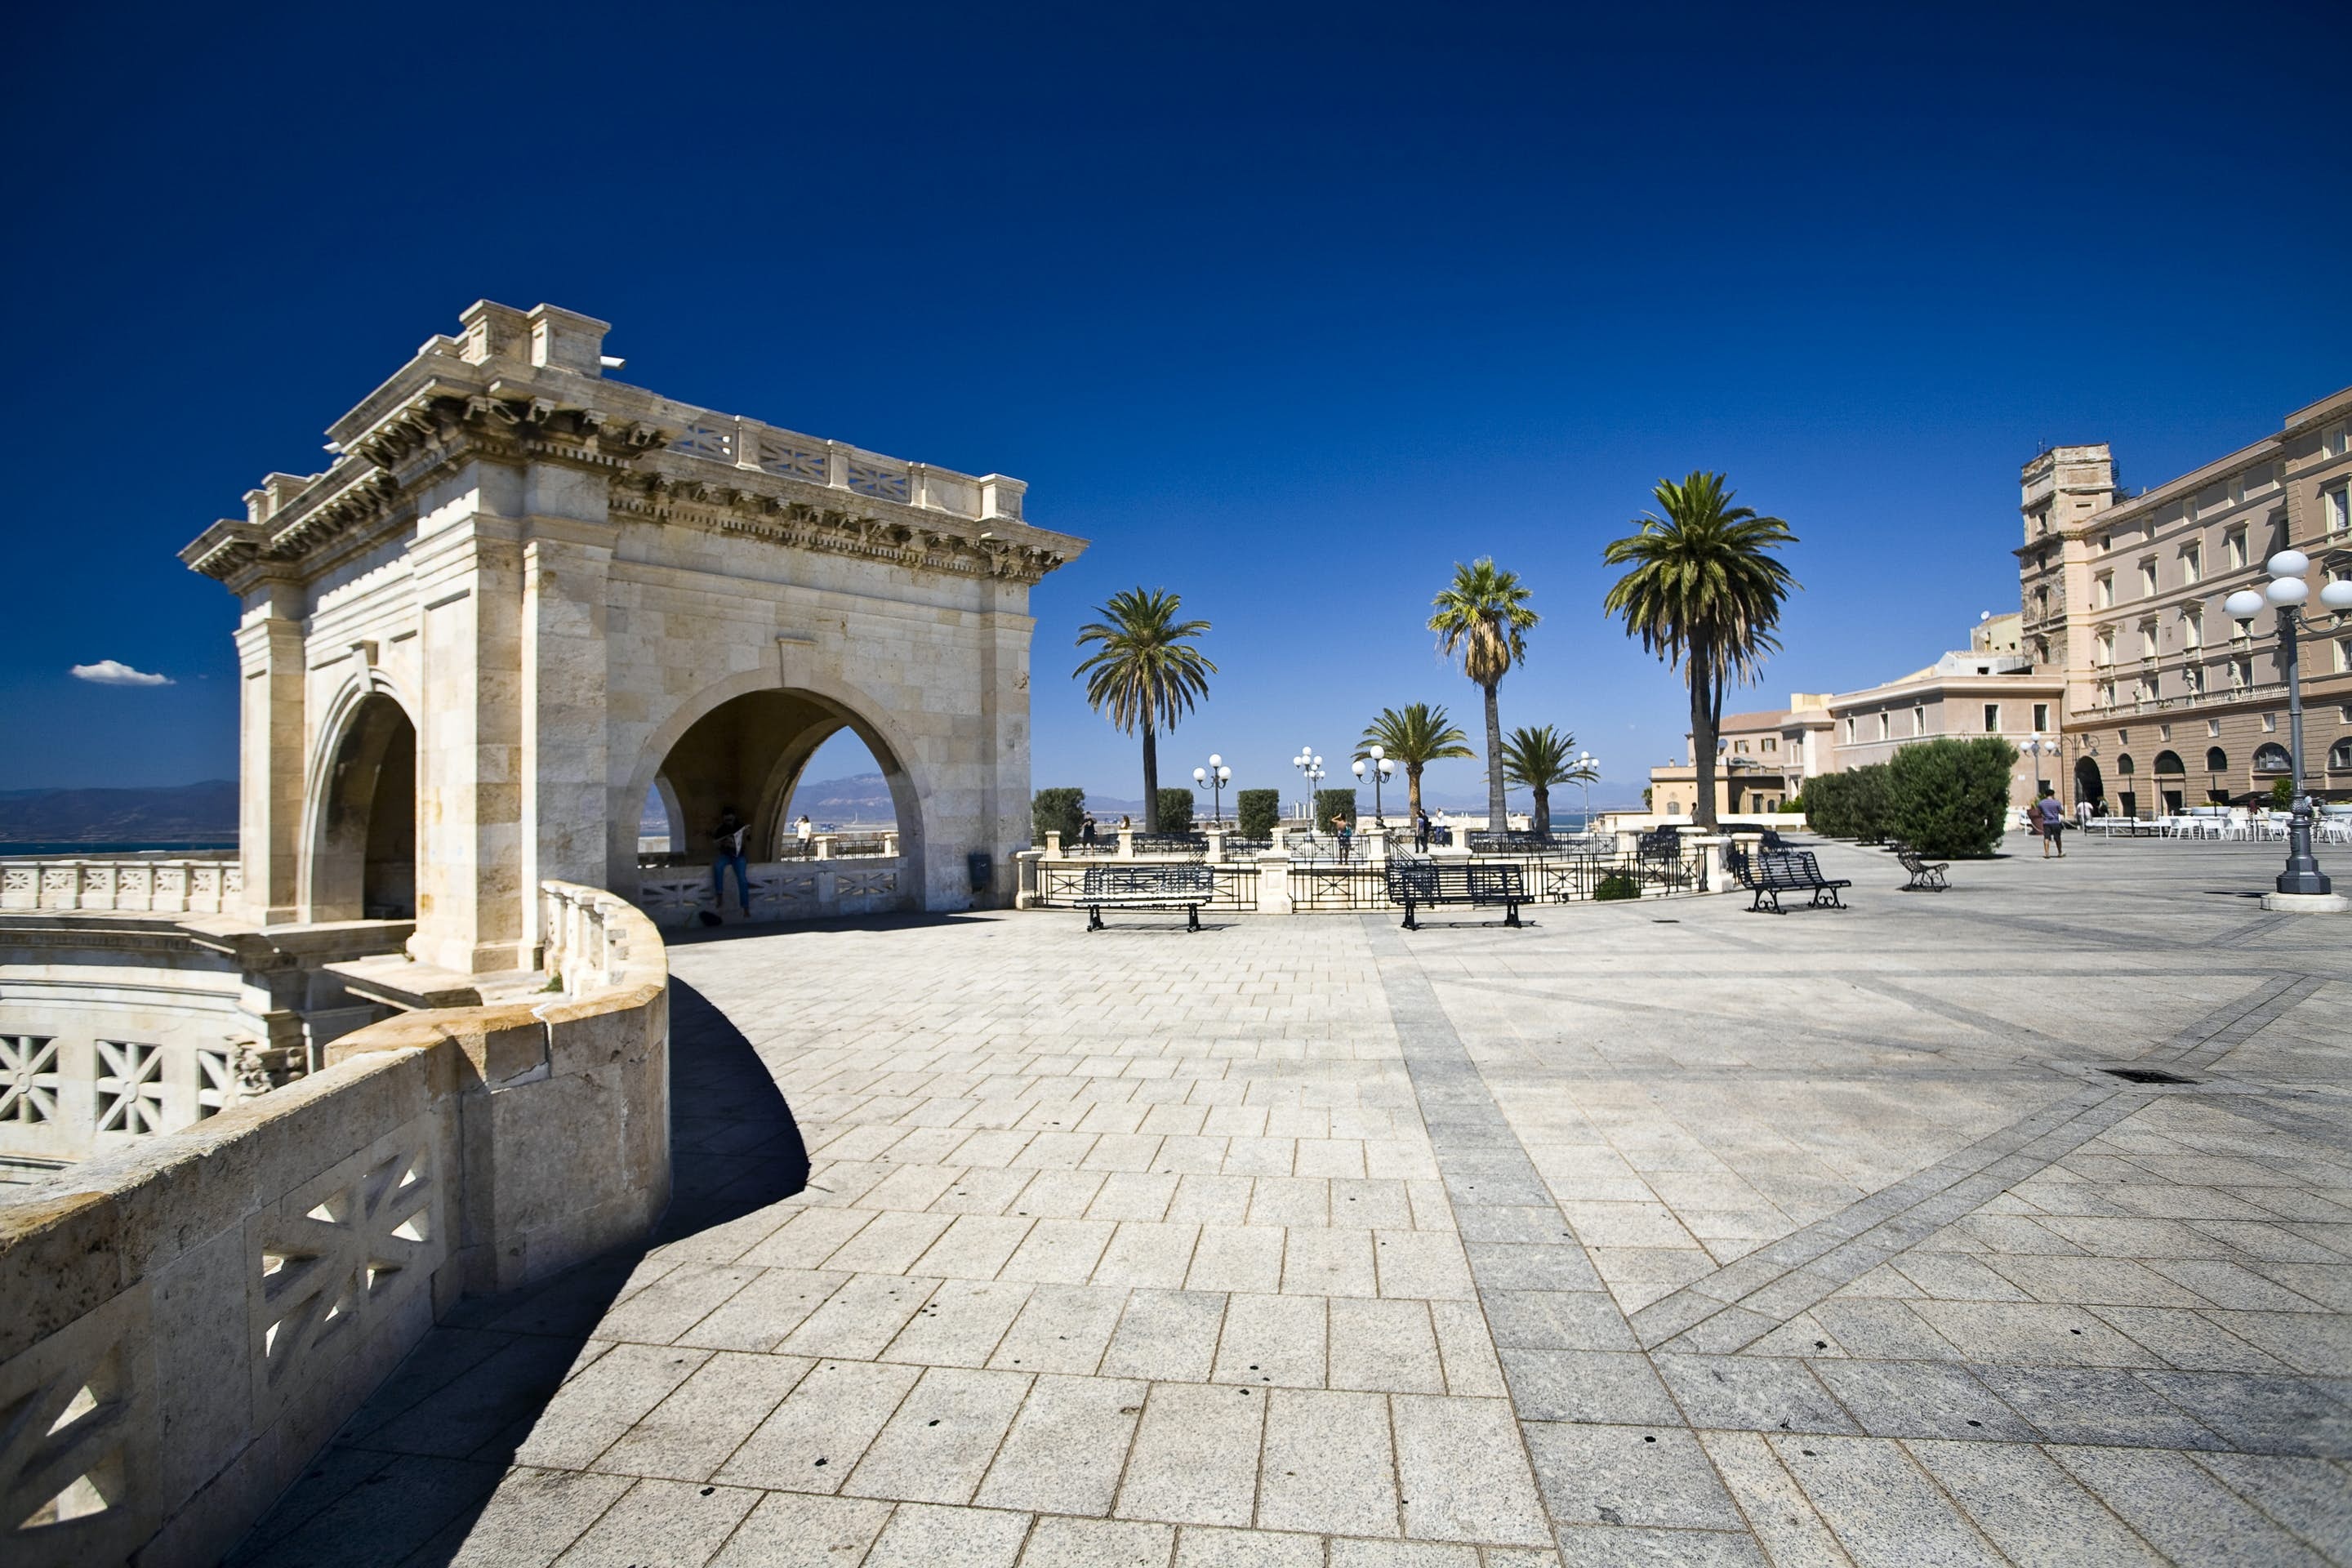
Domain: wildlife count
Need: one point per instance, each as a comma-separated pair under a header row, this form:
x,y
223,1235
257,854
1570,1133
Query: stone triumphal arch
x,y
524,595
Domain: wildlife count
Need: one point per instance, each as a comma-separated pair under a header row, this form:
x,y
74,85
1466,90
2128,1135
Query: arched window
x,y
2168,762
2339,755
2217,761
2124,765
2269,757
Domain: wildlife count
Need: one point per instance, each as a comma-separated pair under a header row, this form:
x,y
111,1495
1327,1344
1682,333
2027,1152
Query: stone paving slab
x,y
1658,1232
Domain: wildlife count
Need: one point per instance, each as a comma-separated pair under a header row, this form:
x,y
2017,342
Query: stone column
x,y
469,563
272,741
1005,628
1274,884
566,561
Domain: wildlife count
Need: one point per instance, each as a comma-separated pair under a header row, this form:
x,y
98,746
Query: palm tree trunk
x,y
1150,779
1543,810
1412,791
1497,819
1702,745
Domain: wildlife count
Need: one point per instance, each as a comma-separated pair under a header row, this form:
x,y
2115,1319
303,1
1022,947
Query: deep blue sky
x,y
1285,310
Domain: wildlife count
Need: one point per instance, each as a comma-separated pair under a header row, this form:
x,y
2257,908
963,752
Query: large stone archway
x,y
362,862
569,575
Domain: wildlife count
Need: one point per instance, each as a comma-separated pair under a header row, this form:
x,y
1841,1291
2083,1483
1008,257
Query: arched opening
x,y
2269,757
364,851
2171,781
773,757
2088,785
2217,761
2339,757
2127,798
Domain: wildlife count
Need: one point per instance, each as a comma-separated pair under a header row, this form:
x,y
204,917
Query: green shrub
x,y
1057,811
1949,799
1173,812
1853,804
1257,812
1331,803
1616,886
2283,793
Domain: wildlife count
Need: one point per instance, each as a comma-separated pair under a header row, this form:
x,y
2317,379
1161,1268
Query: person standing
x,y
2051,817
804,831
1421,834
1086,830
726,849
1346,831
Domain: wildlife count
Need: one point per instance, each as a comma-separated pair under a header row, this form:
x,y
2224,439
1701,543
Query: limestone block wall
x,y
191,1319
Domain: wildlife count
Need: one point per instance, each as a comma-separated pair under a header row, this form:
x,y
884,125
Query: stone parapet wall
x,y
195,885
191,1318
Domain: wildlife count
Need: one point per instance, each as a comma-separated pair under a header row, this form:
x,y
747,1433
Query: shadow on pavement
x,y
405,1482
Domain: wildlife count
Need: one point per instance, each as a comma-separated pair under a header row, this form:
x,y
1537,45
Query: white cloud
x,y
114,672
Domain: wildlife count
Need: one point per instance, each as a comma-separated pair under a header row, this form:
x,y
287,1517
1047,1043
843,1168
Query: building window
x,y
2235,541
2041,717
2147,579
1770,744
1884,728
2336,504
2107,590
2192,564
2106,542
2106,647
2217,761
2270,723
2149,647
2278,535
2269,757
1918,721
2107,694
2193,676
2339,757
2336,439
2343,654
1849,732
2213,727
1992,719
2242,673
2193,629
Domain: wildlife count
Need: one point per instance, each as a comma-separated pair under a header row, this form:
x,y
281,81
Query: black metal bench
x,y
1178,887
1773,872
1417,882
1927,876
1482,842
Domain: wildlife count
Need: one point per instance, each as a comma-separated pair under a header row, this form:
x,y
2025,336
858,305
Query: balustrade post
x,y
823,846
1273,883
1126,843
1054,842
1025,896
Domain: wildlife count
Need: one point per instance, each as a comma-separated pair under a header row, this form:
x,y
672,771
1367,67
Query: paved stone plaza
x,y
1655,1233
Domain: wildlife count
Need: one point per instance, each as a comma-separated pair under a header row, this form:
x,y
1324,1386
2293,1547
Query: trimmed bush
x,y
1615,888
1331,803
1257,812
1173,812
2283,793
1853,804
1949,799
1057,811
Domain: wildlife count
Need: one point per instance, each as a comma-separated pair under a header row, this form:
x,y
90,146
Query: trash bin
x,y
981,869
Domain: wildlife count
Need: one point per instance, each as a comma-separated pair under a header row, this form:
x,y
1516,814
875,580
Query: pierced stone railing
x,y
131,882
782,889
190,1320
741,443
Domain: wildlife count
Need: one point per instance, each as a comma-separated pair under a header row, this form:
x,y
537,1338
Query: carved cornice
x,y
808,524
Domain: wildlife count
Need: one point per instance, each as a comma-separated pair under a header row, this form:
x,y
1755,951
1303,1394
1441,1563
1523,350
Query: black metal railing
x,y
1234,888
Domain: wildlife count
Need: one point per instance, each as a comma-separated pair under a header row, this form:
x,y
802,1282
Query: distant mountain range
x,y
181,813
862,800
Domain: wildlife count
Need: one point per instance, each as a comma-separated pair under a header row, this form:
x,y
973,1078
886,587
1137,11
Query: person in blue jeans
x,y
726,849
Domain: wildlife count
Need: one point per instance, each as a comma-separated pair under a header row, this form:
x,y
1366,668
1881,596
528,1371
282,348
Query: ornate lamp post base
x,y
2307,903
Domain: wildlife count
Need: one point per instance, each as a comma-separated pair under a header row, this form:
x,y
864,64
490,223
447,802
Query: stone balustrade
x,y
144,883
797,890
741,443
192,1318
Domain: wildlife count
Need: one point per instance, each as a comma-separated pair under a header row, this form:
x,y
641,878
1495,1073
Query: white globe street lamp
x,y
1382,765
2287,592
1216,776
1310,767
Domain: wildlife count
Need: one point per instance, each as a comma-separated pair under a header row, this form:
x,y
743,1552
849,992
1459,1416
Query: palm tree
x,y
1539,758
1415,737
1483,616
1143,673
1704,593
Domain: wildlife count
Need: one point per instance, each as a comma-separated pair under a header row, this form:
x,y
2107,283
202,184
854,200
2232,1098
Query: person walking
x,y
1421,834
2052,818
726,849
805,832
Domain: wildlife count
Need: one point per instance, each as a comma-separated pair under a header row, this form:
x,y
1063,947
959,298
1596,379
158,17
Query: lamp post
x,y
1585,764
1216,775
1382,767
1310,768
2037,748
2287,592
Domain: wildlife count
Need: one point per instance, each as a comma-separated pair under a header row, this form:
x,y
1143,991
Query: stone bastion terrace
x,y
429,1185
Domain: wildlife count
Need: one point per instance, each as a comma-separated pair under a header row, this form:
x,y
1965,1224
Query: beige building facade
x,y
525,595
2168,700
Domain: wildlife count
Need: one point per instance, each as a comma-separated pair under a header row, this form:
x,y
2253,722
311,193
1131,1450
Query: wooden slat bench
x,y
1182,887
1413,883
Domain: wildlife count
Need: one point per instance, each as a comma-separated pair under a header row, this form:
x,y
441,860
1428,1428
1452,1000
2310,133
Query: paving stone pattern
x,y
1658,1233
